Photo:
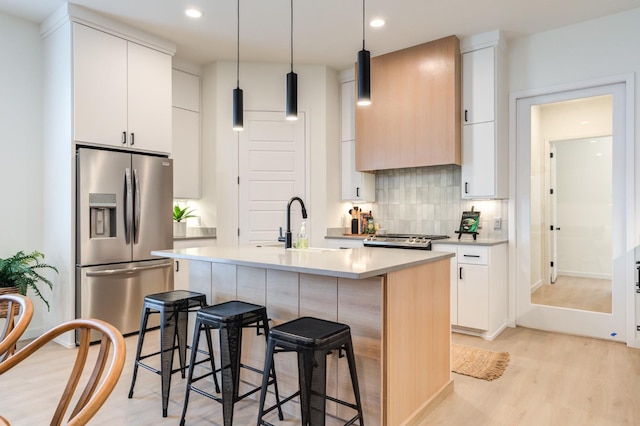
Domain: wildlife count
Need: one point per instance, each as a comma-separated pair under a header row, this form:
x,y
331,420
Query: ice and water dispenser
x,y
102,209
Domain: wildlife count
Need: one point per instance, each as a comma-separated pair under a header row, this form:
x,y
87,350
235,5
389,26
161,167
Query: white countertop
x,y
357,263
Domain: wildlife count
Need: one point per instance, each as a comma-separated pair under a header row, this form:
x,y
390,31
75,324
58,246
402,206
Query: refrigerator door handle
x,y
127,271
128,206
136,228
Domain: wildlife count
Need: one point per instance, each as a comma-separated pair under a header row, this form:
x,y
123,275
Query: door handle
x,y
461,272
133,140
466,187
465,115
124,138
127,271
136,227
357,191
128,206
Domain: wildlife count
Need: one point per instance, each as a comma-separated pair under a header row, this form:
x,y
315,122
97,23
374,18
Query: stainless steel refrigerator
x,y
123,203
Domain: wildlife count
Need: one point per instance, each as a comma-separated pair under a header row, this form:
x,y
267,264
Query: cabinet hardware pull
x,y
471,255
357,191
132,139
124,138
177,266
461,272
465,115
466,187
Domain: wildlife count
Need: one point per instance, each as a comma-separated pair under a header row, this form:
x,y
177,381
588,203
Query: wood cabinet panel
x,y
223,283
360,306
414,118
319,299
417,305
251,288
282,306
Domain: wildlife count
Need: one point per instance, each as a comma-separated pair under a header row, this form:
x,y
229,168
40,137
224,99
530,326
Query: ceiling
x,y
326,32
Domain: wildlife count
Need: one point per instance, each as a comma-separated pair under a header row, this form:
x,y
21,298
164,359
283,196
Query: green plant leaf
x,y
20,270
181,214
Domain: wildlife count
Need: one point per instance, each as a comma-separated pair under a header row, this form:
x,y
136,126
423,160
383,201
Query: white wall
x,y
263,86
21,158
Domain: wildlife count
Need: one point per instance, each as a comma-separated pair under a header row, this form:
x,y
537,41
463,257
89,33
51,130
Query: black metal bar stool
x,y
312,339
173,307
230,318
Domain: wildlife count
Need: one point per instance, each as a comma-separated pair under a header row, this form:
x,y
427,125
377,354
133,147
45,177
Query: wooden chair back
x,y
14,325
107,369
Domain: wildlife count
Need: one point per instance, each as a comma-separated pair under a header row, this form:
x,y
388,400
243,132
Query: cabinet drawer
x,y
473,255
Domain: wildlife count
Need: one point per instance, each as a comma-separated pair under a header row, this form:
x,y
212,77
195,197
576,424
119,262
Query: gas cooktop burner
x,y
410,241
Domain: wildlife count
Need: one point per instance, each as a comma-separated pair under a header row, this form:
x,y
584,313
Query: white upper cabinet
x,y
478,86
186,90
356,186
484,169
478,173
348,110
121,92
186,135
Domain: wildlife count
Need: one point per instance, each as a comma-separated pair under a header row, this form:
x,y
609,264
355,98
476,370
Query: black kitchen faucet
x,y
287,235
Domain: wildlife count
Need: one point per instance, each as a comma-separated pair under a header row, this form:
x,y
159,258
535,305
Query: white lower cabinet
x,y
478,288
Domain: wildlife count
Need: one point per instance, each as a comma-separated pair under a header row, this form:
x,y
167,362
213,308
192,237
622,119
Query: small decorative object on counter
x,y
469,223
180,214
371,229
355,220
303,242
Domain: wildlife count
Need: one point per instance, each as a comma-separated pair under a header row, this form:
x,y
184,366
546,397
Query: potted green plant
x,y
20,273
180,214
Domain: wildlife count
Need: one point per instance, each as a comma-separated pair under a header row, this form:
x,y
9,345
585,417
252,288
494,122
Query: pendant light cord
x,y
291,35
362,24
238,50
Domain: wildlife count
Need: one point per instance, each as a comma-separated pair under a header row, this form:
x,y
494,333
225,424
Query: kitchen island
x,y
395,301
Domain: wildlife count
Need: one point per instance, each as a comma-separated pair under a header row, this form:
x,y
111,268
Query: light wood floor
x,y
587,294
552,379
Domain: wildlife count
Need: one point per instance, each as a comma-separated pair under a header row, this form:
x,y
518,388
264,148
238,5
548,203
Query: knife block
x,y
355,226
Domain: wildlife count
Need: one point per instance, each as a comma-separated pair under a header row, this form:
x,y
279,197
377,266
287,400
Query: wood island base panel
x,y
399,319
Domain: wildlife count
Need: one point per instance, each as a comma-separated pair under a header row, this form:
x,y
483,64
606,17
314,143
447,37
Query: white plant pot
x,y
179,229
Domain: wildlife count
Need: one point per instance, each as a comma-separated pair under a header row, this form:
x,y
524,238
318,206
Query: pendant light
x,y
364,70
237,92
291,108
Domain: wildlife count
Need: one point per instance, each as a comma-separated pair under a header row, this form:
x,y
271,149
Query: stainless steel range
x,y
404,241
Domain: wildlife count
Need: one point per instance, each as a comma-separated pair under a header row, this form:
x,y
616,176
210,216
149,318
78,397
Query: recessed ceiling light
x,y
378,22
193,13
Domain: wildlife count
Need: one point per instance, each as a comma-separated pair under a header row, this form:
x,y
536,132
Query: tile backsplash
x,y
427,200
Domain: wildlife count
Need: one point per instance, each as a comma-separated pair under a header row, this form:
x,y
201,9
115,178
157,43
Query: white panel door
x,y
272,170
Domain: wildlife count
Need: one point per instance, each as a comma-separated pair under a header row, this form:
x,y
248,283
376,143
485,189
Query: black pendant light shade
x,y
237,109
291,107
364,71
237,92
364,77
292,96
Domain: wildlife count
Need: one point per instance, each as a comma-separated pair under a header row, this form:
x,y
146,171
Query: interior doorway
x,y
578,209
588,113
